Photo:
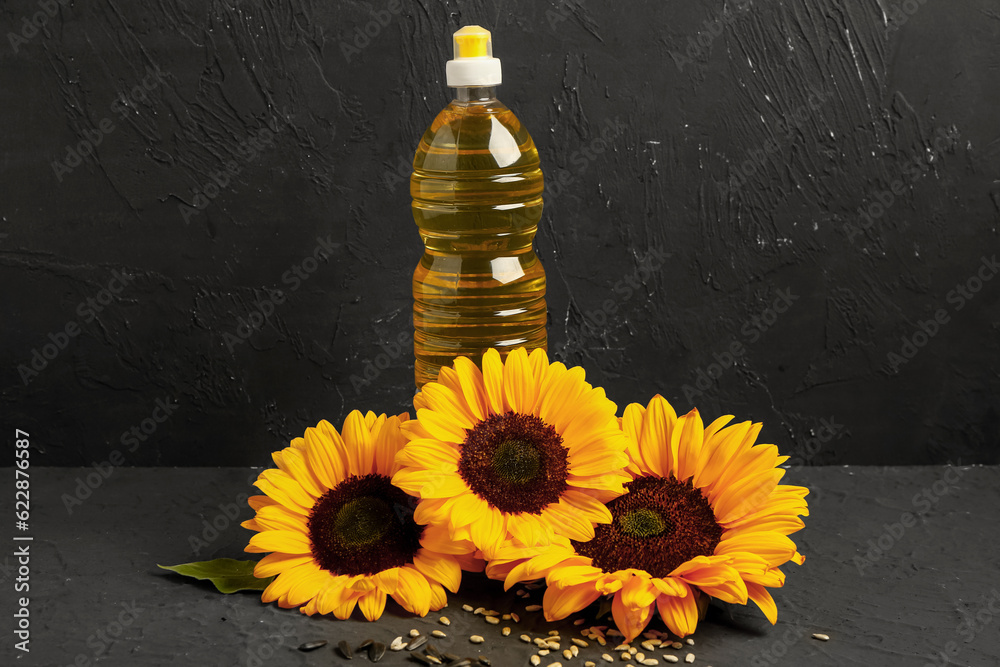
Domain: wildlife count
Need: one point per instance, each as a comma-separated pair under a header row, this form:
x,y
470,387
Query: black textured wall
x,y
782,210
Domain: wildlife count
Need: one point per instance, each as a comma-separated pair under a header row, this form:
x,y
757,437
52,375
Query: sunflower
x,y
523,449
341,534
703,516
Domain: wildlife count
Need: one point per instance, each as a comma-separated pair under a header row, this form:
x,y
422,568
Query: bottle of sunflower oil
x,y
477,199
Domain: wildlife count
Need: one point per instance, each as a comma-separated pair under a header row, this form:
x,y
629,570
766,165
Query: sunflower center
x,y
658,525
642,522
515,462
362,526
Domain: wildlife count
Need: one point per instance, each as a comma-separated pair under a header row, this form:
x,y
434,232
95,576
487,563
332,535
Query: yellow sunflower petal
x,y
276,563
441,569
471,379
413,593
763,599
372,604
284,541
518,383
360,448
493,381
283,488
679,614
559,602
631,621
690,445
440,427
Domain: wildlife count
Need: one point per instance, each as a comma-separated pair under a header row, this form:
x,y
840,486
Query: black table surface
x,y
901,569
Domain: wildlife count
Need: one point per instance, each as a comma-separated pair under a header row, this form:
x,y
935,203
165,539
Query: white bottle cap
x,y
474,64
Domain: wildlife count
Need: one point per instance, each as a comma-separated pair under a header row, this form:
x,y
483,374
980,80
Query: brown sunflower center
x,y
515,462
659,524
362,526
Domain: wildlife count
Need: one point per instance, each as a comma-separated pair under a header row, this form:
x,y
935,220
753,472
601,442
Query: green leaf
x,y
228,574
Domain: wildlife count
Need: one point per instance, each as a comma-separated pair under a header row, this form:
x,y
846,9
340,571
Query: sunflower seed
x,y
422,659
397,644
417,643
492,620
640,656
607,658
444,620
579,621
483,660
544,651
376,651
574,650
621,647
345,649
526,638
535,660
579,642
626,655
648,644
312,646
505,632
506,617
614,633
414,633
464,662
555,664
553,633
492,612
689,657
480,610
432,650
671,658
476,639
555,646
820,636
450,657
438,634
677,645
689,641
433,658
467,607
650,661
590,663
567,654
632,650
515,617
365,644
602,641
533,607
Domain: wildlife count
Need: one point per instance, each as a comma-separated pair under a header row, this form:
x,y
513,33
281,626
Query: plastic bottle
x,y
477,199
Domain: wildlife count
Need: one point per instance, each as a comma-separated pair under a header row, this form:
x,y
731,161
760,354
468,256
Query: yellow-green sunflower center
x,y
642,522
659,524
515,462
364,525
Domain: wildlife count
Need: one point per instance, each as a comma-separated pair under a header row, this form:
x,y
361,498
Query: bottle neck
x,y
475,94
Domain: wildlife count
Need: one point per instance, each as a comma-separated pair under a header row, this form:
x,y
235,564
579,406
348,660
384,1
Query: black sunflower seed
x,y
345,649
376,651
416,657
483,660
434,651
312,646
465,662
365,644
416,643
451,657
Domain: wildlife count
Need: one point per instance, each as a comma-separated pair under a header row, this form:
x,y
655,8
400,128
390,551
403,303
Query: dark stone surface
x,y
720,161
908,604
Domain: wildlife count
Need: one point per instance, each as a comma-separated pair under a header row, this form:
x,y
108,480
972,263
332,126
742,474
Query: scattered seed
x,y
505,632
555,664
607,658
345,649
365,644
467,607
526,638
533,607
574,650
417,643
312,646
677,645
602,641
579,621
483,660
555,646
431,649
450,657
422,659
567,654
434,660
506,617
614,633
650,661
579,642
689,641
444,620
640,656
479,610
544,651
476,639
689,657
626,656
648,645
671,658
464,662
632,650
820,636
492,620
414,633
553,633
397,644
535,660
376,651
590,663
621,647
515,617
438,634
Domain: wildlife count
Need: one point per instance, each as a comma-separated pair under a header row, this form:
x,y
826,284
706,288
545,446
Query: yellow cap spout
x,y
473,41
